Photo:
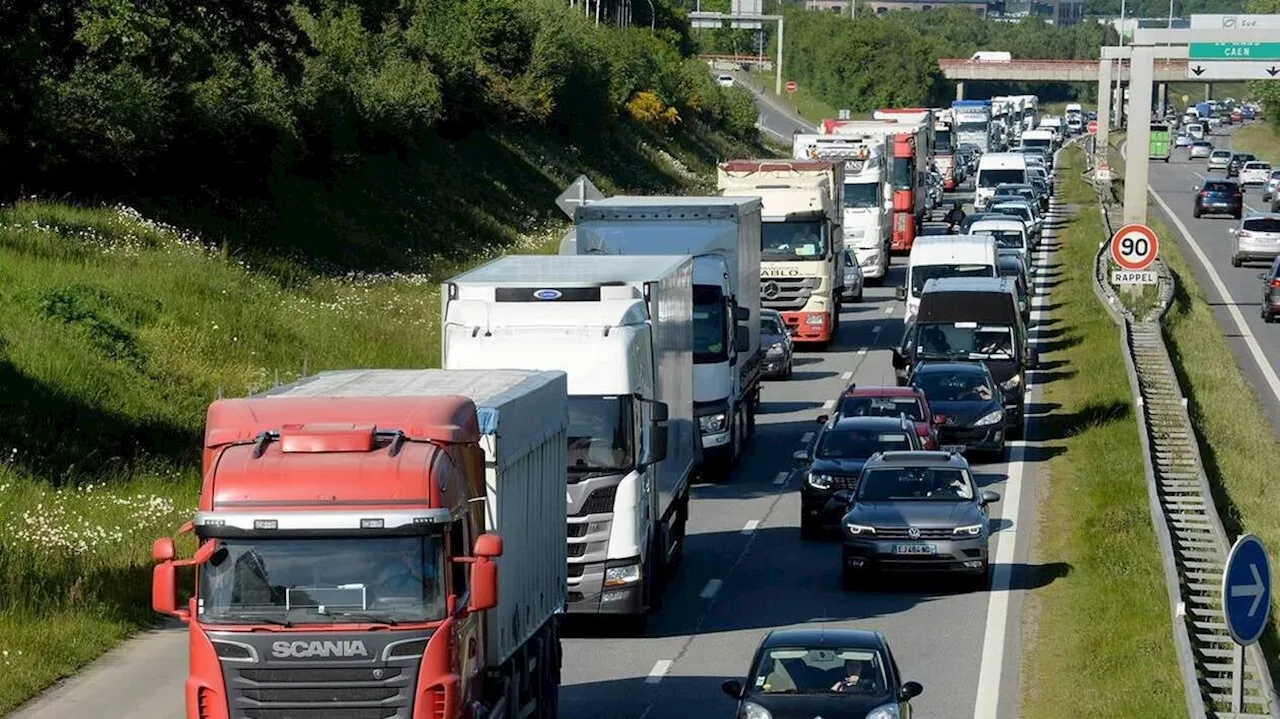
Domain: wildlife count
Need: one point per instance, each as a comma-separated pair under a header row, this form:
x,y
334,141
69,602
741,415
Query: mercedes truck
x,y
868,197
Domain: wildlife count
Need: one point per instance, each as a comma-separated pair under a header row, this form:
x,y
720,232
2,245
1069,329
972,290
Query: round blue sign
x,y
548,294
1246,590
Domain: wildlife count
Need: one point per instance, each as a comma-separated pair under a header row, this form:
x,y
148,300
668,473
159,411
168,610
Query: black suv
x,y
1237,162
1219,197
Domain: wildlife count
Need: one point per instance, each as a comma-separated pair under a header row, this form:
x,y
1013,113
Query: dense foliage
x,y
1268,91
216,102
891,60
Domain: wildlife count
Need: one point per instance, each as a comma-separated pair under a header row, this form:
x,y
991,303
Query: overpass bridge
x,y
962,69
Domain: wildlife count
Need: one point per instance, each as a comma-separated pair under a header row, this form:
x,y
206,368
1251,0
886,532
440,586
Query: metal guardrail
x,y
1193,543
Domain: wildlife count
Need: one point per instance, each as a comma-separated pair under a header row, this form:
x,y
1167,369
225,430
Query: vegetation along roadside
x,y
1094,536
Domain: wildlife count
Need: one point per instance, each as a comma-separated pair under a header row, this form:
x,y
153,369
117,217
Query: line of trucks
x,y
354,528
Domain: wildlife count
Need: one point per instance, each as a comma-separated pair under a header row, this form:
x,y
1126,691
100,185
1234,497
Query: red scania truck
x,y
350,549
909,170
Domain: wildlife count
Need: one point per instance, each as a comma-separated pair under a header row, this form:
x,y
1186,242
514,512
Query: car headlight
x,y
990,418
888,711
1012,382
751,710
713,423
616,576
774,349
859,529
819,480
972,530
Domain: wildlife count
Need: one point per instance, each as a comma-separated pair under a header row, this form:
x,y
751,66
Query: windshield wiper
x,y
367,616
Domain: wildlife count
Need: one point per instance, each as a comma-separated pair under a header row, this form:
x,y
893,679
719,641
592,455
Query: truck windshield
x,y
942,141
1036,142
924,273
901,173
991,178
965,340
325,580
601,431
709,325
862,196
971,127
799,240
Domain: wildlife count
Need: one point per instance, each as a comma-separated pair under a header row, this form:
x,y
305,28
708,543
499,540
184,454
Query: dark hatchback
x,y
968,406
823,672
1270,292
843,445
1219,197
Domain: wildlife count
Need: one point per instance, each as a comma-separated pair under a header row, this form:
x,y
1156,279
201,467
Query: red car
x,y
886,401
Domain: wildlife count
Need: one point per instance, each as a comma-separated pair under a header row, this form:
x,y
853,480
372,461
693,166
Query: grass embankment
x,y
118,332
1105,624
1260,138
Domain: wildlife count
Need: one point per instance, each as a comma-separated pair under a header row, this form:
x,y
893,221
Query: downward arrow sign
x,y
1250,590
1197,70
1273,71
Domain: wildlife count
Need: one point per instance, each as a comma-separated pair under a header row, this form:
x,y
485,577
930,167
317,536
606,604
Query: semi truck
x,y
621,328
801,237
1030,111
943,150
868,197
972,123
722,234
350,549
908,171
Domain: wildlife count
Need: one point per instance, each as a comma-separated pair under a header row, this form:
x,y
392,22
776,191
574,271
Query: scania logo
x,y
548,294
307,650
913,532
770,290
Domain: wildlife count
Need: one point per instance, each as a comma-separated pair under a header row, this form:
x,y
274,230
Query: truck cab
x,y
867,217
908,170
971,124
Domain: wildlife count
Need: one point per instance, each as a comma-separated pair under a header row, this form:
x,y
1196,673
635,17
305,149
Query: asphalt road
x,y
776,119
746,571
1234,292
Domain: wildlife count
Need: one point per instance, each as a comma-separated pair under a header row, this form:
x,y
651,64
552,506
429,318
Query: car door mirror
x,y
800,459
822,418
900,294
988,496
1264,277
910,691
733,688
843,496
899,362
1231,230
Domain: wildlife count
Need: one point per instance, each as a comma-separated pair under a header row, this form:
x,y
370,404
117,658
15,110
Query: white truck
x,y
622,329
801,238
1030,111
971,124
1075,118
868,196
723,236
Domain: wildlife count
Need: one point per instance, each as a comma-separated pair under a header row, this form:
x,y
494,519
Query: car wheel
x,y
848,577
808,530
791,367
981,581
1268,317
1237,214
1235,262
1196,213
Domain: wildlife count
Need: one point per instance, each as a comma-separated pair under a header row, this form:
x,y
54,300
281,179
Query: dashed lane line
x,y
750,526
660,669
781,479
713,586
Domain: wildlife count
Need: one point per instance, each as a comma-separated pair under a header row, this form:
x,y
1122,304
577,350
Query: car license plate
x,y
915,549
957,448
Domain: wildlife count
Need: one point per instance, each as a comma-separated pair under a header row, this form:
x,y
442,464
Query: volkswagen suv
x,y
1219,197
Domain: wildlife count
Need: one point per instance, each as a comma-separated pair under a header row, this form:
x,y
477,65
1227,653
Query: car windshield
x,y
799,240
1220,187
770,326
600,435
924,273
881,407
994,178
1257,166
1021,211
965,340
953,386
824,670
1004,238
859,443
324,580
930,484
1262,224
861,196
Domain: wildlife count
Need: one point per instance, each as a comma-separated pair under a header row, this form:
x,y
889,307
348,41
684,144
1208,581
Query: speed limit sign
x,y
1134,247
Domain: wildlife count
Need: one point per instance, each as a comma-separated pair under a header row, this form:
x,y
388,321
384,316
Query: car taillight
x,y
1244,235
1275,283
1203,194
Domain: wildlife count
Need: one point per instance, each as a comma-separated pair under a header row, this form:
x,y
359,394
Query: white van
x,y
1196,131
1010,234
935,256
995,169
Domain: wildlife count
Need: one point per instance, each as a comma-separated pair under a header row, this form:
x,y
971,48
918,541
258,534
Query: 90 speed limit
x,y
1134,247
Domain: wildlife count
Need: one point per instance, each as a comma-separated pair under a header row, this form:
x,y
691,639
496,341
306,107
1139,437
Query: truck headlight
x,y
871,259
819,480
972,530
990,418
617,576
713,423
1012,382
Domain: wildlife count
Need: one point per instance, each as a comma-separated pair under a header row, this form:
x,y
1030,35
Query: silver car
x,y
853,279
1257,238
1218,159
1202,148
1273,183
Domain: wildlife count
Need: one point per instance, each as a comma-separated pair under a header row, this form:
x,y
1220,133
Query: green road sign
x,y
1233,51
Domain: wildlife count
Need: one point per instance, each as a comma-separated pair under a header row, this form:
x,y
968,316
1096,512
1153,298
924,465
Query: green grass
x,y
1100,628
1260,138
119,330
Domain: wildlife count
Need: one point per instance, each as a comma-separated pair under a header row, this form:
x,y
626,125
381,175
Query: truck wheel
x,y
737,437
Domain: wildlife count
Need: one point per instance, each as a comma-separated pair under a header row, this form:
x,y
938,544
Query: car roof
x,y
1220,181
1260,216
999,223
1256,162
823,636
916,458
880,391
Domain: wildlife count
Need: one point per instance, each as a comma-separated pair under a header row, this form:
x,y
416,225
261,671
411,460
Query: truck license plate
x,y
957,448
915,549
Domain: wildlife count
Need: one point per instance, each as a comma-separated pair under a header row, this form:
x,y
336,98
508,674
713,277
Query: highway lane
x,y
746,571
776,119
1235,292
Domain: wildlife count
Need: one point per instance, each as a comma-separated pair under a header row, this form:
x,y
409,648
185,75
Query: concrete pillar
x,y
1162,90
960,90
1104,106
1208,91
1141,75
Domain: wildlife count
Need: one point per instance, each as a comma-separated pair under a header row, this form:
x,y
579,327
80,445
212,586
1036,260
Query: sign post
x,y
1134,247
1246,603
791,86
1092,127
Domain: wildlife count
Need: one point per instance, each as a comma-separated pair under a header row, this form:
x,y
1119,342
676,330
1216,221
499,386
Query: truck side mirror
x,y
484,585
900,294
657,445
741,314
899,362
741,339
658,412
164,576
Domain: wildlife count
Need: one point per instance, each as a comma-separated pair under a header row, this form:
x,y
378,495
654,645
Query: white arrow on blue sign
x,y
1246,590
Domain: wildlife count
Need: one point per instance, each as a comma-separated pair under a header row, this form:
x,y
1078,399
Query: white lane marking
x,y
709,591
750,527
829,404
781,479
849,375
805,439
876,330
1268,372
660,669
862,352
888,310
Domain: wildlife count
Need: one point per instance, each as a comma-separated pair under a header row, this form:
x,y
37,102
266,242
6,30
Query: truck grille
x,y
598,502
786,294
313,692
901,533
